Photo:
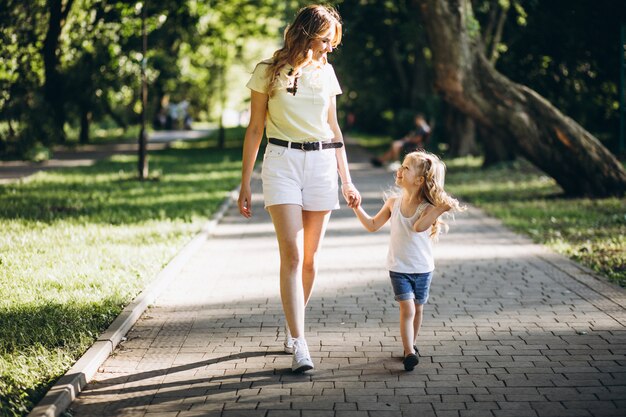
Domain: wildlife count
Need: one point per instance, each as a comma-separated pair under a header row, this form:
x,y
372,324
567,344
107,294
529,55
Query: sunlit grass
x,y
77,245
376,144
589,231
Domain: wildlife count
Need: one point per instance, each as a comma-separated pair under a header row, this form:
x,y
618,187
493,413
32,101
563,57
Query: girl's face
x,y
407,176
323,45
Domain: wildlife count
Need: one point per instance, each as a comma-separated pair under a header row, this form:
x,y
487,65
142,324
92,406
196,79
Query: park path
x,y
86,155
511,329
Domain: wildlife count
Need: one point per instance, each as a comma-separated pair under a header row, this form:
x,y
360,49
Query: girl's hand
x,y
351,194
245,201
445,207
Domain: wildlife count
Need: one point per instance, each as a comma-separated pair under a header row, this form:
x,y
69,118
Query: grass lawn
x,y
77,245
589,231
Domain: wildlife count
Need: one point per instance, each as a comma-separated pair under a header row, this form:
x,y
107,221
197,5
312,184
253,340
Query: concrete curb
x,y
69,386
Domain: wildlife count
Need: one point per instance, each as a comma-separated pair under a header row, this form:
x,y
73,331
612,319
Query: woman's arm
x,y
349,191
251,143
372,224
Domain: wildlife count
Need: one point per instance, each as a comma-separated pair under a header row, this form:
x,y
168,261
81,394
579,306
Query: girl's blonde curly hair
x,y
310,23
433,170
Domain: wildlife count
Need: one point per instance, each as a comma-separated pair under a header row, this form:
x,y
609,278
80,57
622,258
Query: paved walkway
x,y
510,330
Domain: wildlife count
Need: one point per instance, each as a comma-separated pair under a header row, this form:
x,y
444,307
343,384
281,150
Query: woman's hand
x,y
245,201
351,194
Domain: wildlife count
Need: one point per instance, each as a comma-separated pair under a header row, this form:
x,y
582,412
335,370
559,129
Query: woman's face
x,y
323,45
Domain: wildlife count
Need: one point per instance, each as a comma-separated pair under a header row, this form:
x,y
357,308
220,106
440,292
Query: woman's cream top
x,y
302,117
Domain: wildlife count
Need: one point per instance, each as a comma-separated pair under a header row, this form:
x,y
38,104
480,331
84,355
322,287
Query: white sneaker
x,y
288,341
301,358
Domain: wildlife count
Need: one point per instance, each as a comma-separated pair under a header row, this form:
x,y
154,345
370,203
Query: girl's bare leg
x,y
407,331
417,321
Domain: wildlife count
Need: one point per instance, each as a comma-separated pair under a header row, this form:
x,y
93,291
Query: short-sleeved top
x,y
301,117
410,252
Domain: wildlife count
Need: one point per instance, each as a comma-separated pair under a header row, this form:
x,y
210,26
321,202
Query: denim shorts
x,y
308,179
411,286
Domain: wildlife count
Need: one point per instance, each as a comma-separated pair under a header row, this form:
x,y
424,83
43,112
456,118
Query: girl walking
x,y
415,223
293,98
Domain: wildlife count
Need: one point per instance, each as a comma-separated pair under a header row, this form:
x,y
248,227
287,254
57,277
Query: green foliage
x,y
38,153
78,244
94,72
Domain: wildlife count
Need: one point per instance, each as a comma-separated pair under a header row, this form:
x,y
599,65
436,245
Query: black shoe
x,y
410,361
376,162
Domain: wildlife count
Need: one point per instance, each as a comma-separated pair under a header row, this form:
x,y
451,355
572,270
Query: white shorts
x,y
306,178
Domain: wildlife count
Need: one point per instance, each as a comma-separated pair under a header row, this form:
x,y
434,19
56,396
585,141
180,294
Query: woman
x,y
293,95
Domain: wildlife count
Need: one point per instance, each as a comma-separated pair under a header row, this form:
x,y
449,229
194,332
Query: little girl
x,y
414,215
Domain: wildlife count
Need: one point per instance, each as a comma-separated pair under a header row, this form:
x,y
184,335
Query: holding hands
x,y
351,194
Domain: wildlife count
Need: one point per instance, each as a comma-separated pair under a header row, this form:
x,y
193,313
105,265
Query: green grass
x,y
77,245
589,231
376,144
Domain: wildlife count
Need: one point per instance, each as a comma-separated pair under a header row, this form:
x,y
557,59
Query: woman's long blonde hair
x,y
310,23
433,170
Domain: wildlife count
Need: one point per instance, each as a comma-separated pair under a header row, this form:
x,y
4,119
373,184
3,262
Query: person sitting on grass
x,y
414,140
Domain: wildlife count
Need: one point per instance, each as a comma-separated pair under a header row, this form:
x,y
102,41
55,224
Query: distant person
x,y
160,119
414,215
183,110
293,97
414,140
172,116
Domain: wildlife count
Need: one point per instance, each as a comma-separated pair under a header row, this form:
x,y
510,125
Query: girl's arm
x,y
372,224
251,143
349,191
428,217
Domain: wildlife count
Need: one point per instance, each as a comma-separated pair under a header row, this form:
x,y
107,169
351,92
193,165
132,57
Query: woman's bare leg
x,y
315,223
287,219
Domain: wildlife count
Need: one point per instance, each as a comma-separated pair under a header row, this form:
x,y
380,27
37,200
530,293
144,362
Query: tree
x,y
384,65
54,84
559,146
21,75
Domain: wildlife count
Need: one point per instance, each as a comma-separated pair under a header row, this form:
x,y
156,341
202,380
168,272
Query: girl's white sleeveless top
x,y
409,251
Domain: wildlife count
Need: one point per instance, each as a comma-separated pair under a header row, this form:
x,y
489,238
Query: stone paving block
x,y
351,413
199,413
514,413
475,413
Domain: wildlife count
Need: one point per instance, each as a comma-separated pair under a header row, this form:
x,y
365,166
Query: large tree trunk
x,y
53,87
495,147
460,131
578,162
85,121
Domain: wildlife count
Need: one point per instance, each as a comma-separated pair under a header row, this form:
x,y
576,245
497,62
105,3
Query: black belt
x,y
305,146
